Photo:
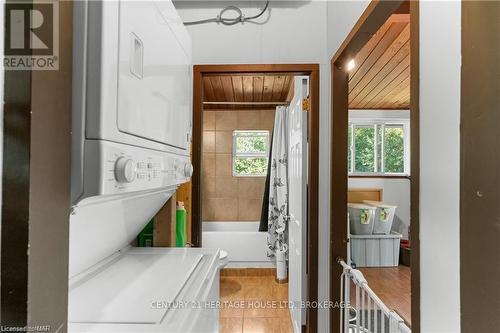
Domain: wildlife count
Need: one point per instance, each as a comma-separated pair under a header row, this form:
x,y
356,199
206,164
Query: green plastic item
x,y
180,225
145,238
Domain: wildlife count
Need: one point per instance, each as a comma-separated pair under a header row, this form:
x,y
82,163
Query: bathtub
x,y
246,246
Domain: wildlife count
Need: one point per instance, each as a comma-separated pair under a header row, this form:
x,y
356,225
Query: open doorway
x,y
379,164
235,105
375,119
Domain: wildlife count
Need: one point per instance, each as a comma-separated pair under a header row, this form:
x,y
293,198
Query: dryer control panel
x,y
114,169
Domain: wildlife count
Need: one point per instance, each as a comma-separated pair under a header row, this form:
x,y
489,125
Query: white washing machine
x,y
131,131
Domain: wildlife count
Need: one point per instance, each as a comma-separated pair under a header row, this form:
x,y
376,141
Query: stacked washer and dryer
x,y
131,134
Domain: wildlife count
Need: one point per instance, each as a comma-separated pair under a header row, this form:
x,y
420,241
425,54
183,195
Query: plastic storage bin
x,y
383,217
361,219
375,250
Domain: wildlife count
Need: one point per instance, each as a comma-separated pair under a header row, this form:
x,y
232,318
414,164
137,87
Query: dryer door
x,y
154,84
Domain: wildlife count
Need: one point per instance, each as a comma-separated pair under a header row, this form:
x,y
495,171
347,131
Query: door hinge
x,y
306,104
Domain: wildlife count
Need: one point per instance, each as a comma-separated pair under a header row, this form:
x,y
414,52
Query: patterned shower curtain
x,y
277,237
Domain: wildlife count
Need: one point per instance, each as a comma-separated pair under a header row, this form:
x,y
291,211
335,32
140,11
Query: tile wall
x,y
225,197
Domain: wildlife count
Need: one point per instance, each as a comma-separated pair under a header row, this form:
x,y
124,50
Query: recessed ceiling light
x,y
351,64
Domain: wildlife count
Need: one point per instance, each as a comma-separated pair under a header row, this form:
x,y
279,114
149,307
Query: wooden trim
x,y
479,165
196,158
312,70
257,69
375,15
384,109
399,18
244,73
415,165
313,206
17,148
338,185
243,109
367,25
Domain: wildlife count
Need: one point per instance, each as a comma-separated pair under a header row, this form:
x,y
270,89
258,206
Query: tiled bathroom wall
x,y
225,197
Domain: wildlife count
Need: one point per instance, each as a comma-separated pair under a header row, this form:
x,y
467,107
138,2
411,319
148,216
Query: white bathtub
x,y
246,246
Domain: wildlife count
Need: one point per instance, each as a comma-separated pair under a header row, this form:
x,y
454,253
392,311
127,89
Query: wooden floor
x,y
247,303
392,286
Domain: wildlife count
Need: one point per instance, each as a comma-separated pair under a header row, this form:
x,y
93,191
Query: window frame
x,y
248,154
405,124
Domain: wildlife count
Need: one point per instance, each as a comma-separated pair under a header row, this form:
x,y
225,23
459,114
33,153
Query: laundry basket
x,y
361,218
383,217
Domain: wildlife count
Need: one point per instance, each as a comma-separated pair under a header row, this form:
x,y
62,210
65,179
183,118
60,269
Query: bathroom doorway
x,y
215,97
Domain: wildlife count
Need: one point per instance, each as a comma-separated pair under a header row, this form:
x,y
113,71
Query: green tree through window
x,y
364,148
376,148
250,153
394,149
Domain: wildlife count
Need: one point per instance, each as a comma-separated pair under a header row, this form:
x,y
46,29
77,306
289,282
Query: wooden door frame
x,y
368,24
312,70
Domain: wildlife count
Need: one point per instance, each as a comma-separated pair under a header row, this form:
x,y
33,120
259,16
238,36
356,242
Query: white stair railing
x,y
368,314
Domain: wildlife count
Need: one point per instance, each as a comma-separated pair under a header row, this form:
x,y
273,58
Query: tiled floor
x,y
253,304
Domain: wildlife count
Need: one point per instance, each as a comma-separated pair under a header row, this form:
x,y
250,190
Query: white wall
x,y
396,191
440,59
295,32
304,31
292,31
342,16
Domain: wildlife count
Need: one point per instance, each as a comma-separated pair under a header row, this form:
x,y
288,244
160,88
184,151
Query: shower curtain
x,y
277,237
264,214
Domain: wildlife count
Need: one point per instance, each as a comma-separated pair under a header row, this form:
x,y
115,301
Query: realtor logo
x,y
31,35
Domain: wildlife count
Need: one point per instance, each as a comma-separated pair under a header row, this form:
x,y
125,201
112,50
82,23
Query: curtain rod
x,y
246,103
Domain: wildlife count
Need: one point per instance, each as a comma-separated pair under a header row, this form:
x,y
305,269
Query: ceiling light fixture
x,y
351,64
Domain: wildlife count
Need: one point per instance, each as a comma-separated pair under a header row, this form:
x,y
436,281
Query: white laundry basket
x,y
361,218
384,216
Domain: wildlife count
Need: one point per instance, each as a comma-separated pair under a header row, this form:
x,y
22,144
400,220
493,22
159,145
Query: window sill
x,y
380,176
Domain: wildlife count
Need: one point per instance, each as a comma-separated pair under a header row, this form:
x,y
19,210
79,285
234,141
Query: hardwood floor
x,y
392,285
253,304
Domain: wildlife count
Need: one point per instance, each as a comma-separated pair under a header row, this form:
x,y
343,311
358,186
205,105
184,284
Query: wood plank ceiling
x,y
246,91
381,77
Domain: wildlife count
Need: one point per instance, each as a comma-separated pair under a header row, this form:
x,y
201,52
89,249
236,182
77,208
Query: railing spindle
x,y
368,304
358,301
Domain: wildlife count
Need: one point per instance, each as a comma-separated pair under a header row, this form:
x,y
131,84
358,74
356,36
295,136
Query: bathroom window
x,y
378,148
250,153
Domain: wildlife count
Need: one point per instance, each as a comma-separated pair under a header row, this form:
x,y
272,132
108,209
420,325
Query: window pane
x,y
364,145
380,139
394,149
251,142
349,149
250,166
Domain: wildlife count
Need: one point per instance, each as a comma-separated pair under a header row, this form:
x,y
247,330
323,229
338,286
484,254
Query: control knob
x,y
125,170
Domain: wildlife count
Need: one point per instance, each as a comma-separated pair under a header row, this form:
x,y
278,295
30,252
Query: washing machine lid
x,y
124,291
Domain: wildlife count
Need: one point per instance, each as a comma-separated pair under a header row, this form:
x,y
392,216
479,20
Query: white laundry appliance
x,y
131,132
